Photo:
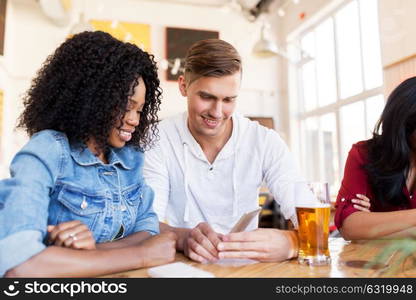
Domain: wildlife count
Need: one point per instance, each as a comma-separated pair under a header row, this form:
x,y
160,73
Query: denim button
x,y
123,207
84,204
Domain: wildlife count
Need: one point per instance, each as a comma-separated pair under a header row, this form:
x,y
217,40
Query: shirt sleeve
x,y
147,219
354,182
24,200
156,175
280,172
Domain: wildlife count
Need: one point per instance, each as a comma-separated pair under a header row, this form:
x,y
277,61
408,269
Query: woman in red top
x,y
383,169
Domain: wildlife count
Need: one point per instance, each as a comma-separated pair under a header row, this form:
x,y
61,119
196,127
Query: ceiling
x,y
211,3
200,2
251,9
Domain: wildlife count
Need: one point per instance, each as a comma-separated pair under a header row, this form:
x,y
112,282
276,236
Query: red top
x,y
355,181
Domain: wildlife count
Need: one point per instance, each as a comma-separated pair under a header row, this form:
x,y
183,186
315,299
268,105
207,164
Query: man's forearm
x,y
182,234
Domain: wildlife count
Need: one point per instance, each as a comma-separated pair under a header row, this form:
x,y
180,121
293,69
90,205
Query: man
x,y
209,163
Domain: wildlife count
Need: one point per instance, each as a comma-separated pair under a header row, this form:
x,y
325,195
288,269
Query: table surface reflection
x,y
349,259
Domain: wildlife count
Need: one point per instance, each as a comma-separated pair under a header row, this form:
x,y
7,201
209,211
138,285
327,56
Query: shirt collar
x,y
84,157
228,149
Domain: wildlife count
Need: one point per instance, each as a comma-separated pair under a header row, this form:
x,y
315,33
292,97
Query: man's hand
x,y
262,244
72,234
201,243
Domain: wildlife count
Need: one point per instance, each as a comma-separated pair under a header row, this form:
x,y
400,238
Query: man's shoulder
x,y
254,130
169,131
171,123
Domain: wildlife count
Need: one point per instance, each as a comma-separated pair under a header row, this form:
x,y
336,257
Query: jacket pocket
x,y
134,194
79,204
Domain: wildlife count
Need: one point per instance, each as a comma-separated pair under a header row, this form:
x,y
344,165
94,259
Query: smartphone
x,y
245,220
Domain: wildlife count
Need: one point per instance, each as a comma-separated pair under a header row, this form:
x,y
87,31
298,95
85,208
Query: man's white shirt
x,y
189,190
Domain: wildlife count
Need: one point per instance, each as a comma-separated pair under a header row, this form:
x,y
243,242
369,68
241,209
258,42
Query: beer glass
x,y
313,209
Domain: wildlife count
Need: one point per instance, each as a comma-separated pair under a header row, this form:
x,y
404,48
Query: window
x,y
340,88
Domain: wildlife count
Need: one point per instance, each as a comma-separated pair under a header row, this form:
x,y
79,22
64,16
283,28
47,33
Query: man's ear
x,y
182,85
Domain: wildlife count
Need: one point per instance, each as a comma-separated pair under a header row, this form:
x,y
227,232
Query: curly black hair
x,y
83,88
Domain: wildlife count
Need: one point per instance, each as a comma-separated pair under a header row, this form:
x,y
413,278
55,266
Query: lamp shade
x,y
265,47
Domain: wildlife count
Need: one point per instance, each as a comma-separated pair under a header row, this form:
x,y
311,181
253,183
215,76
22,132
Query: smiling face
x,y
120,135
211,102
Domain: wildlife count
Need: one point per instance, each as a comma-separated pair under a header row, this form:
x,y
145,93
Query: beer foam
x,y
314,205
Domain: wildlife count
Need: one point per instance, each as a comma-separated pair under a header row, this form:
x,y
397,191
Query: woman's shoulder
x,y
48,140
360,149
48,135
47,144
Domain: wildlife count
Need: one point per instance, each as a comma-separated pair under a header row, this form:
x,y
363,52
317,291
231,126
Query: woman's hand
x,y
72,234
159,249
362,203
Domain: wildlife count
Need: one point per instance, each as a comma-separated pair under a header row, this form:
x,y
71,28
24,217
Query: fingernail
x,y
358,195
220,246
353,200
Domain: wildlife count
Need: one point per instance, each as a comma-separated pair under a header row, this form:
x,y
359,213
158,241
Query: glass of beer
x,y
313,209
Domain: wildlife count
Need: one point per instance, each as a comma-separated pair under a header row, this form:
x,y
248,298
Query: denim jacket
x,y
53,181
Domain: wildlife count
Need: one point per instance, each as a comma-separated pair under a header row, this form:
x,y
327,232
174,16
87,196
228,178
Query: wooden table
x,y
348,260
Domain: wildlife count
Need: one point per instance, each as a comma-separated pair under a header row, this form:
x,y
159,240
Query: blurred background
x,y
317,71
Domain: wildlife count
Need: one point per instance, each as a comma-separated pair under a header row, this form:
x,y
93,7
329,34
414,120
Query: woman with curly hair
x,y
76,203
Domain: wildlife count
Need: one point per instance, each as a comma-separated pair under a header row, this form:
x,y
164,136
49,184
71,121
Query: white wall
x,y
30,38
397,30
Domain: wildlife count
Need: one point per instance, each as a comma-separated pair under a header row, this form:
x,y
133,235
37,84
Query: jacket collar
x,y
84,157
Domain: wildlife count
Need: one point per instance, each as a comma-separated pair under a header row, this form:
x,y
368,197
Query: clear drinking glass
x,y
313,209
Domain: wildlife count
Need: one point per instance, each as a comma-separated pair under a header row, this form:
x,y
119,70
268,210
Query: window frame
x,y
299,115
